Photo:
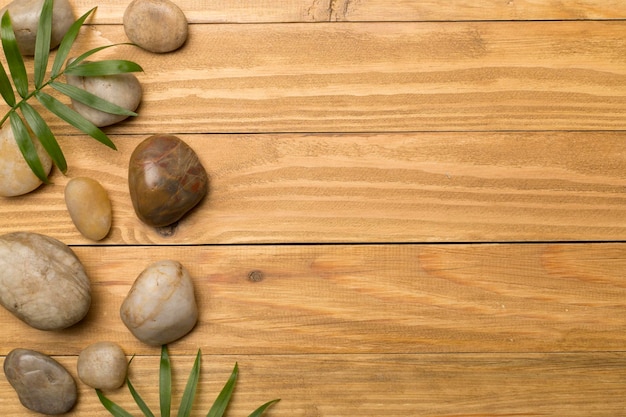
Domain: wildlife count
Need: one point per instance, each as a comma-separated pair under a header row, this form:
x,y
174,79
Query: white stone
x,y
161,306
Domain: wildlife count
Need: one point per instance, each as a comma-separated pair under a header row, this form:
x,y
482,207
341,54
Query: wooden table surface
x,y
417,208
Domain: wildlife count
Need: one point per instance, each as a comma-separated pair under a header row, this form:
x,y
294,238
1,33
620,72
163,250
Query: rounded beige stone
x,y
155,25
16,177
25,19
121,89
89,206
102,365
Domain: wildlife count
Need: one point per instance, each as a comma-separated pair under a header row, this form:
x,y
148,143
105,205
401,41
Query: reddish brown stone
x,y
166,180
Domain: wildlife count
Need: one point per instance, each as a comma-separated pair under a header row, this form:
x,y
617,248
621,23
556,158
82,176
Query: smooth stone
x,y
42,384
161,305
166,180
121,89
89,206
42,282
102,365
155,25
16,177
25,19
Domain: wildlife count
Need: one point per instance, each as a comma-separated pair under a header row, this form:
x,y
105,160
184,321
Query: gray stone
x,y
41,383
155,25
42,282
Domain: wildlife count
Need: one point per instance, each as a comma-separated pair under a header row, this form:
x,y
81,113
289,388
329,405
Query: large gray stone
x,y
42,282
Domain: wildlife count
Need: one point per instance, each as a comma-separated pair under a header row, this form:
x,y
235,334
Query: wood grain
x,y
384,77
365,299
287,11
442,385
414,187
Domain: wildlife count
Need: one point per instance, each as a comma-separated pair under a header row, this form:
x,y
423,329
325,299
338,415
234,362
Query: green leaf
x,y
100,68
13,55
6,88
140,402
67,42
42,131
73,118
190,389
113,408
27,147
76,61
90,99
42,43
165,383
220,404
259,411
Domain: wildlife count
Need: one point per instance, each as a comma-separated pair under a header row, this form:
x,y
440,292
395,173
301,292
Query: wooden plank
x,y
381,77
415,187
365,299
465,385
274,11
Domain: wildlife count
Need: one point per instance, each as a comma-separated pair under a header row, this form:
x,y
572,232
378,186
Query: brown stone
x,y
166,180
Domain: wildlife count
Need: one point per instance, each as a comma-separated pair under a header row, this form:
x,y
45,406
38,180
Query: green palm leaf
x,y
46,137
259,411
165,382
73,118
6,89
113,408
222,400
90,99
66,44
27,147
42,43
140,402
13,56
190,389
100,68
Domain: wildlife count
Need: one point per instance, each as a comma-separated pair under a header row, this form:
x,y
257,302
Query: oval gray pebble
x,y
41,383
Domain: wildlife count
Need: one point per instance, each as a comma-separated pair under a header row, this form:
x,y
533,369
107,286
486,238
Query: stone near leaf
x,y
16,177
89,206
25,19
155,25
166,180
102,365
42,384
42,282
121,89
161,306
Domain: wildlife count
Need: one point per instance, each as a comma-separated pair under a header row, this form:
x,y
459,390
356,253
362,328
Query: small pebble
x,y
42,384
89,207
155,25
166,179
102,365
16,177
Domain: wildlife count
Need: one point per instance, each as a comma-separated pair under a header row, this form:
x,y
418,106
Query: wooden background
x,y
417,208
